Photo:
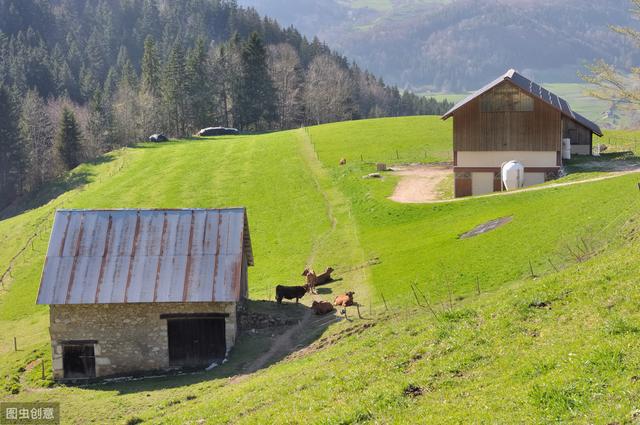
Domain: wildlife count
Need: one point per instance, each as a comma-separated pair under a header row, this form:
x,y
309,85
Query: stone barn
x,y
143,290
513,118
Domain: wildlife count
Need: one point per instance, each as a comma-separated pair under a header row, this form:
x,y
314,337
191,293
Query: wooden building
x,y
513,118
140,290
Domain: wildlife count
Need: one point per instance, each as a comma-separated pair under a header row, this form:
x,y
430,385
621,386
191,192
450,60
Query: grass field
x,y
533,322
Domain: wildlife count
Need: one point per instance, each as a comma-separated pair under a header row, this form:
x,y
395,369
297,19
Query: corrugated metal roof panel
x,y
131,256
534,89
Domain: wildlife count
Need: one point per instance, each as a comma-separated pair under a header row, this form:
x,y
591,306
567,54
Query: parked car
x,y
158,138
218,131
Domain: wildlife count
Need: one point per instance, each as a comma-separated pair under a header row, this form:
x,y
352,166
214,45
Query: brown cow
x,y
345,299
324,278
311,279
321,307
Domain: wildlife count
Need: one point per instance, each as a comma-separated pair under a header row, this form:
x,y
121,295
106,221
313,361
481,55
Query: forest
x,y
79,78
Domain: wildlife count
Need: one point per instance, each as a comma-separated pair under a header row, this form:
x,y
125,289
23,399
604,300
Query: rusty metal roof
x,y
534,90
143,256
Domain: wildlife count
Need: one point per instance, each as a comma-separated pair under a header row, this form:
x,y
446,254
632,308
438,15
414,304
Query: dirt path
x,y
297,335
419,183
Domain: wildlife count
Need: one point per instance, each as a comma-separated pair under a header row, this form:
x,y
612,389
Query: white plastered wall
x,y
481,183
497,158
580,149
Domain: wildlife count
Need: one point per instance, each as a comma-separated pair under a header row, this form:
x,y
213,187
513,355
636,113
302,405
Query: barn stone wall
x,y
130,337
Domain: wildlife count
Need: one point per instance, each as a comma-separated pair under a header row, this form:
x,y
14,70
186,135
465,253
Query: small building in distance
x,y
141,290
513,118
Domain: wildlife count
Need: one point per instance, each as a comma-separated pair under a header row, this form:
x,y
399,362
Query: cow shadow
x,y
270,333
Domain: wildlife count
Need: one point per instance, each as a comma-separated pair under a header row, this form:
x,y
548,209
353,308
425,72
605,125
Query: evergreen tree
x,y
68,140
257,100
173,89
150,68
11,153
198,87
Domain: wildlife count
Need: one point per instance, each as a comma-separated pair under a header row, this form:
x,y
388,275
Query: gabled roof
x,y
144,256
533,89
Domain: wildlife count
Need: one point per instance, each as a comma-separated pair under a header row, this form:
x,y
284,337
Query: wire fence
x,y
620,144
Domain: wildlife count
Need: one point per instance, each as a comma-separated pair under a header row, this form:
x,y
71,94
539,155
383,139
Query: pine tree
x,y
198,93
257,100
173,89
68,140
150,68
11,153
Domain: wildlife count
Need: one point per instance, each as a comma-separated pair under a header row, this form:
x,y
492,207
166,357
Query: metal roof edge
x,y
509,75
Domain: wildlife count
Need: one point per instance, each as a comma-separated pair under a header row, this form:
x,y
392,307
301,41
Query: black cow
x,y
290,292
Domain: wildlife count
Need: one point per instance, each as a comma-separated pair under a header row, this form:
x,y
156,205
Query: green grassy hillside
x,y
495,343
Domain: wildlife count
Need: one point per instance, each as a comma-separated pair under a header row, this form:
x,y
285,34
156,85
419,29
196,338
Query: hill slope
x,y
459,45
555,347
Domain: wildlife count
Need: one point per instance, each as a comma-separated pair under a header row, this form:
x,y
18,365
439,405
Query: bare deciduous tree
x,y
613,84
328,91
37,132
285,70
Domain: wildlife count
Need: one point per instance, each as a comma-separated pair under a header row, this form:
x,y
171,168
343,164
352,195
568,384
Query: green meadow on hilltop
x,y
532,322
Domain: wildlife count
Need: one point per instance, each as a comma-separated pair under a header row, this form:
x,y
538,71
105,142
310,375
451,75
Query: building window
x,y
506,98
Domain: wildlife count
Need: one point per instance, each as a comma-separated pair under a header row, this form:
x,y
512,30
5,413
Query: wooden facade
x,y
513,119
579,134
537,130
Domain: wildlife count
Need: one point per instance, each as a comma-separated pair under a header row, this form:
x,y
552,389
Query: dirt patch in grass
x,y
486,227
419,182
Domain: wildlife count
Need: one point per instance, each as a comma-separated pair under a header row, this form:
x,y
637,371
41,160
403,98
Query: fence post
x,y
384,301
15,344
531,269
42,363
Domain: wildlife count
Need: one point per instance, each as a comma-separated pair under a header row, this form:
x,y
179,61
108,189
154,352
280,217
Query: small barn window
x,y
78,360
506,98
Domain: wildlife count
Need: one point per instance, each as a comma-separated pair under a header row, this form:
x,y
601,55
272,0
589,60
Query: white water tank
x,y
566,148
512,175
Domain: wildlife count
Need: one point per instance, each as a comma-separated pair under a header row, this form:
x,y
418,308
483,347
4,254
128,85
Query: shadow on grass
x,y
251,343
52,190
606,162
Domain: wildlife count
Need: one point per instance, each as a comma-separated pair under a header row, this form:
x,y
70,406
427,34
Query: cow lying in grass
x,y
290,292
324,278
321,307
345,299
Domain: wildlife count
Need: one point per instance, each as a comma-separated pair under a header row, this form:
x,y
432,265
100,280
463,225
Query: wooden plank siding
x,y
539,130
579,134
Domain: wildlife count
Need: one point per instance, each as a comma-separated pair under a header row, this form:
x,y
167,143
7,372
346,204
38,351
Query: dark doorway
x,y
78,361
196,342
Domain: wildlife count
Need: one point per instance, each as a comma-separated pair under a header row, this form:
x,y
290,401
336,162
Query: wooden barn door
x,y
196,342
78,360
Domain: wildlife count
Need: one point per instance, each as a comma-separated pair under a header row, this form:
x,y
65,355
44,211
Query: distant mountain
x,y
458,45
